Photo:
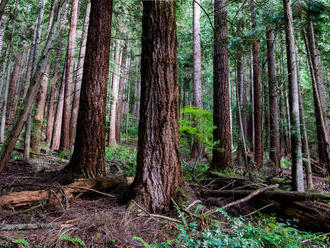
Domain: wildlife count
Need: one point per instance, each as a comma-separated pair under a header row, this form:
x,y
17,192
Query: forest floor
x,y
95,219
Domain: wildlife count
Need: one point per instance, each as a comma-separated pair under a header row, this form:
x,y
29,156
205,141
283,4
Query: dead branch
x,y
250,196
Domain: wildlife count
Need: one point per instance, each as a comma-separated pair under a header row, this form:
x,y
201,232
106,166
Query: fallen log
x,y
53,194
281,195
307,207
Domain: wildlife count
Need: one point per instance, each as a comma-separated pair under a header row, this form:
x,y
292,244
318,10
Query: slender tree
x,y
275,148
88,157
35,82
222,154
158,174
197,71
65,131
256,96
296,152
119,107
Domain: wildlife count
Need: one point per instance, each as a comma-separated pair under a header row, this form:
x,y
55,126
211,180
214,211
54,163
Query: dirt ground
x,y
97,220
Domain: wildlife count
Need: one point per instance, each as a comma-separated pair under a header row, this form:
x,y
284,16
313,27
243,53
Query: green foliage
x,y
124,155
236,233
77,242
194,171
197,124
22,241
285,163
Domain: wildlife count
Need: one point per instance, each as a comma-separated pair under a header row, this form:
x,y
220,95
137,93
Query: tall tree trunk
x,y
88,157
51,104
297,166
256,96
158,176
222,153
38,119
9,145
2,32
197,148
32,69
320,102
3,4
305,147
275,146
79,75
4,110
12,92
114,96
119,107
56,136
65,131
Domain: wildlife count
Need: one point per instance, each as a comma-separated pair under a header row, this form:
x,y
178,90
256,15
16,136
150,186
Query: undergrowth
x,y
237,233
123,155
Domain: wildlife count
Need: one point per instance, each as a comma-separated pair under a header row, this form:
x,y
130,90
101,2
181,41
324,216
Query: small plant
x,y
74,241
123,155
22,241
197,125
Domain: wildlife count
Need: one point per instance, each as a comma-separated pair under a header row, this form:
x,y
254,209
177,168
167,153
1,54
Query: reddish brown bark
x,y
12,91
222,153
119,111
159,174
88,157
65,133
79,75
275,147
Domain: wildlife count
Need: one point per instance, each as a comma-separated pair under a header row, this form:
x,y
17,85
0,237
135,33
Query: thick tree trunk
x,y
88,157
119,107
256,95
51,104
297,166
79,75
65,131
158,175
56,136
222,154
12,92
9,145
197,148
275,148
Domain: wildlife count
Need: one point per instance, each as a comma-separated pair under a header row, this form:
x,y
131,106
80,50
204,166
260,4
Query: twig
x,y
322,235
93,190
250,196
157,215
270,204
18,227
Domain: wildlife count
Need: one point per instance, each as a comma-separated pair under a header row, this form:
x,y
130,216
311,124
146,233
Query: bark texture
x,y
296,150
79,75
65,132
3,4
222,154
88,157
197,148
159,174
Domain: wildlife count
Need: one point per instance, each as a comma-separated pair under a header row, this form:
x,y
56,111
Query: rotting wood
x,y
49,196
